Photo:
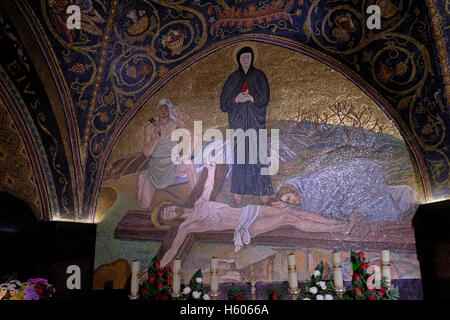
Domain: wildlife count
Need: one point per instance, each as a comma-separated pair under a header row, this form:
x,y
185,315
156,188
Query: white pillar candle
x,y
386,266
337,271
176,281
134,278
336,258
214,275
292,272
385,256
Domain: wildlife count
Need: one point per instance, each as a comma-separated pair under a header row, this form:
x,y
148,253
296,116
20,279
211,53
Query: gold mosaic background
x,y
296,81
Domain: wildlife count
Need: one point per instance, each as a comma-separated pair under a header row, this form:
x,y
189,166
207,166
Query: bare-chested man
x,y
247,222
161,170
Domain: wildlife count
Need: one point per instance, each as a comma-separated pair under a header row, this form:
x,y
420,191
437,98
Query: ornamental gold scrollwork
x,y
343,29
396,67
398,63
84,41
173,44
276,15
62,179
142,40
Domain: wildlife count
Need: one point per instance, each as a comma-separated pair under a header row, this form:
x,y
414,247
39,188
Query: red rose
x,y
157,264
239,297
160,272
159,284
274,296
371,298
361,255
164,297
357,291
371,289
169,281
167,269
39,290
356,276
151,278
381,291
364,265
144,291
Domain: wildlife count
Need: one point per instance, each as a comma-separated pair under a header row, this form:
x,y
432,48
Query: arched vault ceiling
x,y
124,52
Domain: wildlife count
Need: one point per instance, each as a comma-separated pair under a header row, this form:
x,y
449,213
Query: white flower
x,y
307,299
196,294
199,280
328,297
316,273
320,297
206,297
186,290
322,284
313,290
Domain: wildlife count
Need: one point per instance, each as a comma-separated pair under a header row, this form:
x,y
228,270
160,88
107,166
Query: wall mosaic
x,y
17,175
314,133
128,50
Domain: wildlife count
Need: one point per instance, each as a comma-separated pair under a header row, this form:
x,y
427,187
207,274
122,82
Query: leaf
x,y
320,267
354,260
234,292
193,283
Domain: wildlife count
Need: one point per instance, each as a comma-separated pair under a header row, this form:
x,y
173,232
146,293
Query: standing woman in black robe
x,y
245,97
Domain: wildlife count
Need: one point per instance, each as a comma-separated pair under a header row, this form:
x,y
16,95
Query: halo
x,y
154,216
251,44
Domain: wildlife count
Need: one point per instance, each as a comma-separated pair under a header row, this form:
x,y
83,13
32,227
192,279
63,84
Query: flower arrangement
x,y
195,290
274,293
362,289
33,289
157,286
236,293
316,288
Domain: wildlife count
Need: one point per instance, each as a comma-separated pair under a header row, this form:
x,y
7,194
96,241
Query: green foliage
x,y
315,288
360,290
274,293
236,293
320,269
355,261
193,284
157,285
195,290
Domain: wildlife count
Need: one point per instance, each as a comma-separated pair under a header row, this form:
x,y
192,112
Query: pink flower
x,y
37,280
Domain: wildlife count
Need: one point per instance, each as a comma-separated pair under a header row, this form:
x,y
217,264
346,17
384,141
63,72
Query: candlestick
x,y
214,291
385,266
293,293
337,273
176,281
292,273
134,280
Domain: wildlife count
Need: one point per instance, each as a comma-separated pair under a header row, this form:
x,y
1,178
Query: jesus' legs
x,y
270,219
